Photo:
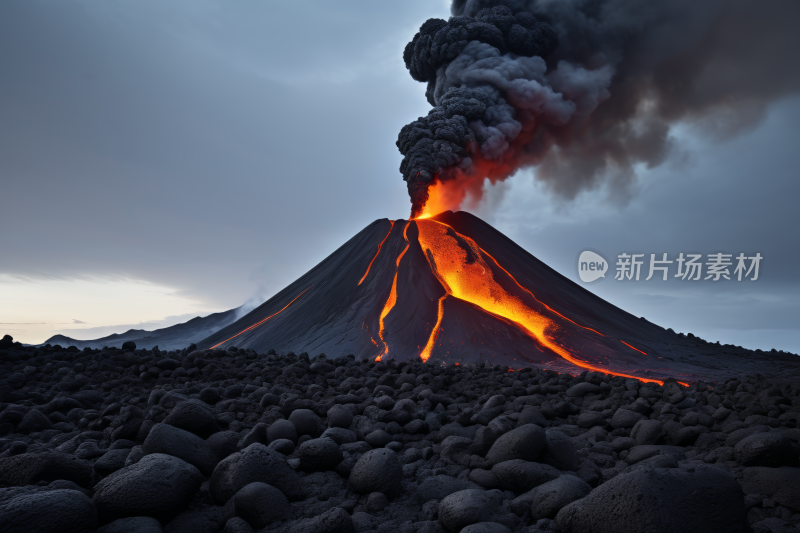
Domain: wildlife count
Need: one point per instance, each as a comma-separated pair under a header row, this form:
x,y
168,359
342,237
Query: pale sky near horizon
x,y
167,159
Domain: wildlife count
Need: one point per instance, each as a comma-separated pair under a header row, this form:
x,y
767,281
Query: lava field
x,y
127,440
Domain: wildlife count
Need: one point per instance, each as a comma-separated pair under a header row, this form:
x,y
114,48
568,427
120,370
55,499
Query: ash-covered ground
x,y
127,440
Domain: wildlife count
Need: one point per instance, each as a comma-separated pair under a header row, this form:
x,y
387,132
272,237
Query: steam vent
x,y
452,289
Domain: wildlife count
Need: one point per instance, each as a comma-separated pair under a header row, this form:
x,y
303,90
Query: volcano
x,y
452,289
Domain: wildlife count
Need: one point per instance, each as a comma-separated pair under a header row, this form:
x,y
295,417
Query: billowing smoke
x,y
586,90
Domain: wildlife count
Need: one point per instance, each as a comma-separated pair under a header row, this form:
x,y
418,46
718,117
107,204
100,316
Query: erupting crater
x,y
450,288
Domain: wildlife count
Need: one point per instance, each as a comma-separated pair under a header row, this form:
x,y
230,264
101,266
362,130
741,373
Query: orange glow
x,y
534,297
457,187
443,196
376,253
262,321
629,346
364,325
460,265
391,300
426,352
386,308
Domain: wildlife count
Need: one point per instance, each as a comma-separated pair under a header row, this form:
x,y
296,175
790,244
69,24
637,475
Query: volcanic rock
x,y
559,451
467,507
549,498
256,435
782,485
193,416
582,389
137,524
339,417
765,449
62,511
319,454
656,500
223,444
335,520
111,461
343,436
282,429
209,395
158,485
261,504
438,487
237,525
256,463
520,476
625,418
525,442
377,471
166,439
647,431
306,422
34,421
284,446
378,438
31,468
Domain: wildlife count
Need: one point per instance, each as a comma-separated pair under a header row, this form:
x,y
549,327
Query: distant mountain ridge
x,y
171,338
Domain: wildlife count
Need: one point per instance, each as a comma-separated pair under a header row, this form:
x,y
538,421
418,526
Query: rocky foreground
x,y
233,441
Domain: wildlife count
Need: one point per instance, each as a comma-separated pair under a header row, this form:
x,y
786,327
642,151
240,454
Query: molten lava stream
x,y
262,321
376,253
465,274
392,298
484,252
426,352
629,346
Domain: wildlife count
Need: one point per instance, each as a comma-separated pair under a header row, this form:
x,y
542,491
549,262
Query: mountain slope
x,y
454,289
171,338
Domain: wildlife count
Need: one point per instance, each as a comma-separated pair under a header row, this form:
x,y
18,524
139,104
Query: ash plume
x,y
587,90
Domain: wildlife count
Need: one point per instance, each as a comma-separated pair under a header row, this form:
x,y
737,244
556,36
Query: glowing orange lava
x,y
484,252
376,253
460,265
262,321
392,298
426,352
443,196
629,346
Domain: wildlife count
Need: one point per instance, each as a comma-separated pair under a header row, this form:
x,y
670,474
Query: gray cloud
x,y
179,142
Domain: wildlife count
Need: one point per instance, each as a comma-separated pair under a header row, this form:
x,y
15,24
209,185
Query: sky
x,y
164,159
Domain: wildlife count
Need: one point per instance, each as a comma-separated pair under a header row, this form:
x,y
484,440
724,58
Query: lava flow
x,y
459,264
450,288
262,321
392,295
377,253
426,352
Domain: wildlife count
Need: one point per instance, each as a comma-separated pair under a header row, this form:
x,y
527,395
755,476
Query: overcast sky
x,y
162,159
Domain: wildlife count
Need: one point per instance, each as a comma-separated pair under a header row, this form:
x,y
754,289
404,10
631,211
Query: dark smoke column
x,y
591,94
492,96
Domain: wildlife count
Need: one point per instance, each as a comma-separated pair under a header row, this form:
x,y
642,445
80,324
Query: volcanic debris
x,y
231,440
